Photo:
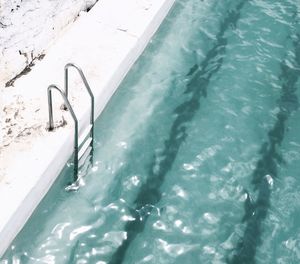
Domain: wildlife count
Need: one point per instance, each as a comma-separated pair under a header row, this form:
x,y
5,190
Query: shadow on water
x,y
266,168
196,88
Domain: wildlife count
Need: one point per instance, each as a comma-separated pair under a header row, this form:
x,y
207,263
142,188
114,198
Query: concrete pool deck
x,y
105,43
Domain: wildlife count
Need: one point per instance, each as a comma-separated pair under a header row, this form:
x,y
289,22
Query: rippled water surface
x,y
197,154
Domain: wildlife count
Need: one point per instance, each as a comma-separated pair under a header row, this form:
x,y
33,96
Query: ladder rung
x,y
84,157
84,147
84,134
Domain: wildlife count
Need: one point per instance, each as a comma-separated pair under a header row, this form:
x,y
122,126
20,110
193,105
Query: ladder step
x,y
84,157
84,134
84,147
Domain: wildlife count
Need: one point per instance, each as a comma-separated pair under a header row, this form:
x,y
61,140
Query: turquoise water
x,y
197,154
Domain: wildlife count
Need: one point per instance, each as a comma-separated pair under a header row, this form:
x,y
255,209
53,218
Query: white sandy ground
x,y
28,28
104,42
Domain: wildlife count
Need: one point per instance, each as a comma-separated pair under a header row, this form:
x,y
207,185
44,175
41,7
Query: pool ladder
x,y
83,143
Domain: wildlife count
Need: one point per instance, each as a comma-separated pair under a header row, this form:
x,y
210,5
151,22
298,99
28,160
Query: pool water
x,y
197,154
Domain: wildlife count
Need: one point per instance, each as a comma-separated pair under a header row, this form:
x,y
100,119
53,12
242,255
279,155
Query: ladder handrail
x,y
87,86
51,122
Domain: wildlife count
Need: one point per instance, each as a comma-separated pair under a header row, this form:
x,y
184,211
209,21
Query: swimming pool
x,y
197,154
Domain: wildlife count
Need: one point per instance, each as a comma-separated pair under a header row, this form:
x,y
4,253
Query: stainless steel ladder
x,y
83,143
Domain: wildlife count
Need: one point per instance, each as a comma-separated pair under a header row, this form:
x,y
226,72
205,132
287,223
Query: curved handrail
x,y
51,122
87,86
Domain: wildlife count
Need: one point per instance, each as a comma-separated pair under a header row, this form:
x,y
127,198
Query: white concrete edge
x,y
53,167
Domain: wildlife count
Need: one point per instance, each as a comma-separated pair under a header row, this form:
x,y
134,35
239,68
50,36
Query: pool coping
x,y
123,31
